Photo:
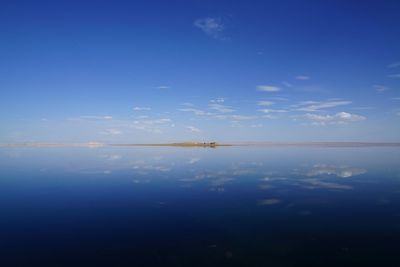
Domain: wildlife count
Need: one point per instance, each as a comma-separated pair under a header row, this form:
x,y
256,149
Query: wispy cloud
x,y
338,118
268,116
302,77
235,117
396,98
394,65
287,84
141,108
380,88
213,27
96,117
163,87
268,88
142,117
273,110
187,104
394,75
193,129
221,108
265,103
112,132
312,106
195,111
218,100
152,125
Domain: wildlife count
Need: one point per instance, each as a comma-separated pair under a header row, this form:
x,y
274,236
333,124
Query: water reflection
x,y
225,206
339,171
271,201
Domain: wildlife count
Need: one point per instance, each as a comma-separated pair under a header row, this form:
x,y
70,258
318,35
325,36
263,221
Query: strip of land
x,y
185,144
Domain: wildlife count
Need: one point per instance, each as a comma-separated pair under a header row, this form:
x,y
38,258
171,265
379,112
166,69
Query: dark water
x,y
229,206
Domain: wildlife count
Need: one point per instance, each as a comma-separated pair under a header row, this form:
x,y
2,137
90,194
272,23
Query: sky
x,y
174,71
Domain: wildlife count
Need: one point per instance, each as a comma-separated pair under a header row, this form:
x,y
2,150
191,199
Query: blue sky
x,y
165,71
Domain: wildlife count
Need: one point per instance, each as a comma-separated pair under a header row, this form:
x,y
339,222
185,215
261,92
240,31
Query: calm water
x,y
229,206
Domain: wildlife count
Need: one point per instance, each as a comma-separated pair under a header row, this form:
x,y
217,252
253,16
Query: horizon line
x,y
209,144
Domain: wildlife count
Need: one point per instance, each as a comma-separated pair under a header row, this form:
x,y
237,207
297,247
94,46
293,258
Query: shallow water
x,y
228,206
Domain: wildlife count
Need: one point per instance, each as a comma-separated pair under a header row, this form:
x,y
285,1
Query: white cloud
x,y
193,129
271,117
396,98
221,108
141,108
242,117
312,106
265,103
273,110
97,117
394,65
235,117
268,88
380,88
153,126
338,118
197,112
142,117
302,77
112,132
187,104
158,121
163,87
394,76
218,100
213,27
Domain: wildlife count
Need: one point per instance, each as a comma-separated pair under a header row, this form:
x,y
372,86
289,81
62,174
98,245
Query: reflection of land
x,y
184,144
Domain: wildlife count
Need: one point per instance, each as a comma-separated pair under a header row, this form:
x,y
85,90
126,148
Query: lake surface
x,y
228,206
